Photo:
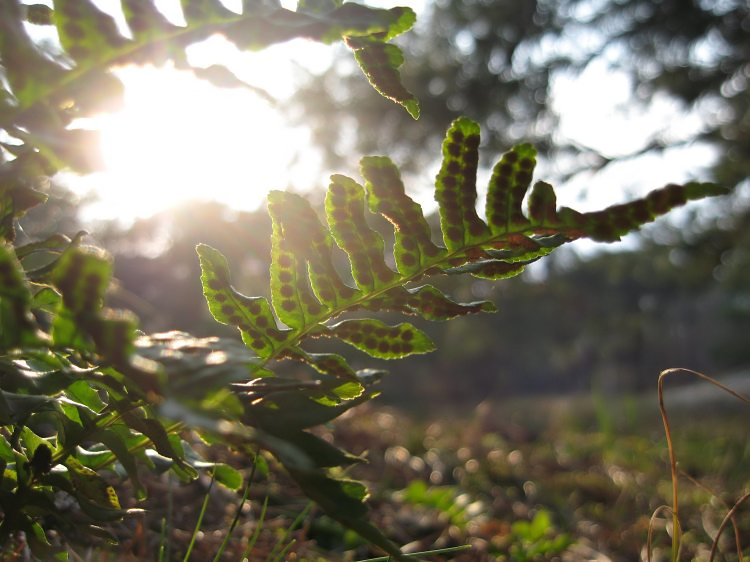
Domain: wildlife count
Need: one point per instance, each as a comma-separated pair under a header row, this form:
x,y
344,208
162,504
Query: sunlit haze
x,y
179,138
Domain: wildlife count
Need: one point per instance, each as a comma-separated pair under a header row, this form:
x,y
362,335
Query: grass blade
x,y
237,514
163,540
200,520
446,550
256,533
288,531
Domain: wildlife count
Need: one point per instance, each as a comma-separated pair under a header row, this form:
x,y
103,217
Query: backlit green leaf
x,y
227,476
510,180
344,501
82,275
327,364
490,269
380,340
413,248
380,63
291,410
91,485
428,302
313,243
86,33
291,296
110,437
251,315
611,223
51,92
455,186
345,211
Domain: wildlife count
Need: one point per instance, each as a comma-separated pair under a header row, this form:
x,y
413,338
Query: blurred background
x,y
619,96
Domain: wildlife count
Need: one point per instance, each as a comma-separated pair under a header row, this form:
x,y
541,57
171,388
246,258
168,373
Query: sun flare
x,y
179,138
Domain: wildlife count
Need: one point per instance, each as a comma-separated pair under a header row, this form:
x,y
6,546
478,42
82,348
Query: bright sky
x,y
179,137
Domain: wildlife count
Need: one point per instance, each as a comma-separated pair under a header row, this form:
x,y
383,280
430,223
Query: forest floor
x,y
564,478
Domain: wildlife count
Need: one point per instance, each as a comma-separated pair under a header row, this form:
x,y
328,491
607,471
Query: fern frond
x,y
308,294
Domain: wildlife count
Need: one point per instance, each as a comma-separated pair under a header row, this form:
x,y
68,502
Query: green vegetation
x,y
90,406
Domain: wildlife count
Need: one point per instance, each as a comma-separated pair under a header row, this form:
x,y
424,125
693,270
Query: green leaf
x,y
17,325
326,363
428,302
110,437
380,63
543,205
490,269
82,275
511,177
201,12
82,391
303,232
613,222
6,451
329,390
96,498
227,476
18,407
146,22
413,248
30,74
86,33
56,242
380,340
223,474
361,25
343,500
455,186
345,211
18,180
318,6
91,485
47,93
321,453
150,427
291,410
38,14
251,315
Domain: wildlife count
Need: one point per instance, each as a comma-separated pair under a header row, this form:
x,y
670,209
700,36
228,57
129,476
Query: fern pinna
x,y
308,294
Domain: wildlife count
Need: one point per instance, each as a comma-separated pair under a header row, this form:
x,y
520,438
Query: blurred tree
x,y
495,61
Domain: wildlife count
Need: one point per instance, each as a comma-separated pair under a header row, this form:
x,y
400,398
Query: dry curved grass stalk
x,y
676,539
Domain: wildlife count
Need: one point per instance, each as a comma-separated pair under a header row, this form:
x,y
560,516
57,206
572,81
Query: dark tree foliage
x,y
696,52
495,61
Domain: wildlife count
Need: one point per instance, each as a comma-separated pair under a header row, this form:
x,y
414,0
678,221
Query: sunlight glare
x,y
179,138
